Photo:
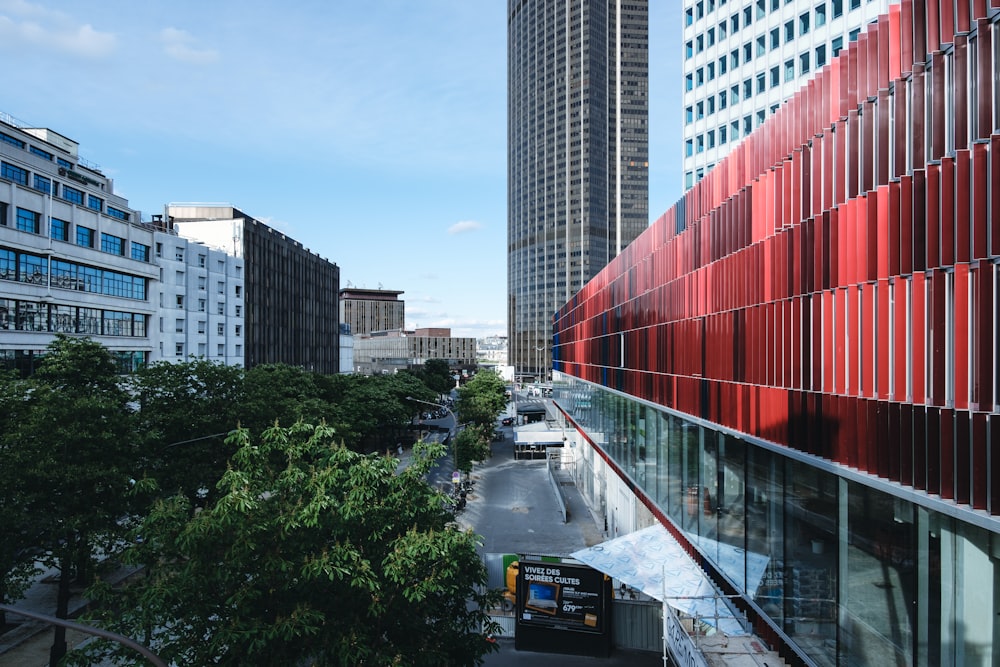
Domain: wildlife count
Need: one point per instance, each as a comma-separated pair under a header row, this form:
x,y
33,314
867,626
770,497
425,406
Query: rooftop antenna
x,y
350,284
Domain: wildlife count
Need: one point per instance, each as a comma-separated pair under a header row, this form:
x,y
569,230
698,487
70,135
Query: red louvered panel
x,y
854,340
868,125
791,363
853,166
868,312
984,78
882,338
993,446
962,17
919,439
936,114
869,432
878,226
932,456
979,182
946,453
917,116
963,457
918,337
835,73
901,330
892,231
894,43
839,165
959,91
893,442
979,463
817,175
832,250
931,214
932,33
906,53
963,195
829,341
882,139
871,61
901,131
863,83
847,258
946,19
882,49
979,8
853,76
906,444
905,225
961,342
918,15
994,195
937,337
814,338
947,211
983,361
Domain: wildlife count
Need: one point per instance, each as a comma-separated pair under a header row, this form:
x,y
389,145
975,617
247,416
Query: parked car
x,y
507,421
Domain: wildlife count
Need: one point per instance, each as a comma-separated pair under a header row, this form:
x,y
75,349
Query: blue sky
x,y
372,132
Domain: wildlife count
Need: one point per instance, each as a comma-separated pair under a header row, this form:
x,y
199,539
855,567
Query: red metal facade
x,y
832,285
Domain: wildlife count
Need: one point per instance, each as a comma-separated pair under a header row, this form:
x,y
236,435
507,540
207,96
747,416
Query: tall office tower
x,y
744,58
577,155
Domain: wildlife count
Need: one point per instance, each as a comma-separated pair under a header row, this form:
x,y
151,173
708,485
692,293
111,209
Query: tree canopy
x,y
332,558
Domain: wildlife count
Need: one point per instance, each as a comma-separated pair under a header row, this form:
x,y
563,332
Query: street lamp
x,y
451,429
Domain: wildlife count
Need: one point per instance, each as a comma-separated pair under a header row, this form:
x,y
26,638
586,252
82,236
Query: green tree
x,y
482,399
472,444
437,376
73,452
369,413
280,392
333,558
186,411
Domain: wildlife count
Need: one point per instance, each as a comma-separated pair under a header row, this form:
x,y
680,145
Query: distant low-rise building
x,y
492,350
384,352
368,310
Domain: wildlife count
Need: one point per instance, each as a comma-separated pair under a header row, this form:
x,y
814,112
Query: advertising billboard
x,y
562,596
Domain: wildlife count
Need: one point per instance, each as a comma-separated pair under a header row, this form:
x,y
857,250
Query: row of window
x,y
49,186
220,307
202,350
30,221
707,73
17,315
759,10
34,269
202,261
220,328
35,150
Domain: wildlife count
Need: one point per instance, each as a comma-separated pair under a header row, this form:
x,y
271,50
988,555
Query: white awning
x,y
651,560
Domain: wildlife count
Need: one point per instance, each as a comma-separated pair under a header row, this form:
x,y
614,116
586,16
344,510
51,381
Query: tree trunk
x,y
82,569
62,607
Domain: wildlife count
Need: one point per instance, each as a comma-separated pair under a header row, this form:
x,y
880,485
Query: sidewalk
x,y
28,644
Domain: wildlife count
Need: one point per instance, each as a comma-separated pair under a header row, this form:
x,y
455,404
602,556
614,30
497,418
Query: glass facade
x,y
850,573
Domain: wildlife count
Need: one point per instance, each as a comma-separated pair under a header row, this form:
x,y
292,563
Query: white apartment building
x,y
74,258
201,302
743,58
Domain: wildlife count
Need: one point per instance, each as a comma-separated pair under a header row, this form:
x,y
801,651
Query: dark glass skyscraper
x,y
578,108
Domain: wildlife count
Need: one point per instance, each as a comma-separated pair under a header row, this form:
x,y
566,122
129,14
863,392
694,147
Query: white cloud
x,y
26,24
465,226
181,45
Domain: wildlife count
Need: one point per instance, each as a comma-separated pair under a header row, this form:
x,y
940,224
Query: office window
x,y
140,251
711,36
237,330
747,52
855,4
804,62
699,77
820,14
700,106
221,287
201,349
688,115
201,305
722,31
734,93
43,184
760,117
239,350
722,134
734,58
775,5
72,195
179,349
202,283
220,329
722,100
201,326
775,76
747,16
59,229
761,9
775,38
238,291
711,105
734,129
221,349
159,250
14,173
179,325
734,23
688,50
117,213
711,138
179,279
747,125
852,36
761,45
28,221
710,69
804,24
789,31
688,147
112,244
95,203
238,311
84,236
34,150
179,254
699,144
688,20
699,10
3,213
13,141
201,260
747,89
837,7
761,83
689,82
180,301
221,308
789,70
836,46
820,55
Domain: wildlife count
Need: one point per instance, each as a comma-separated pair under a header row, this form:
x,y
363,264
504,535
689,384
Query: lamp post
x,y
451,429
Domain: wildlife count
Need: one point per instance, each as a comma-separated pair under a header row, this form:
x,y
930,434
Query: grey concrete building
x,y
368,310
577,155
